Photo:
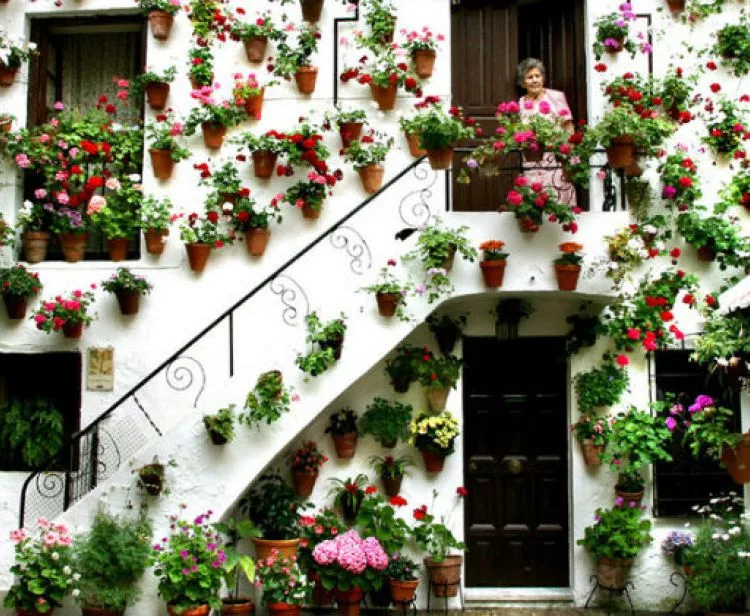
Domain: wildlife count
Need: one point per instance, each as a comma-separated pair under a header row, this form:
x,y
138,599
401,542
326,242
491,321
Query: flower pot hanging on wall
x,y
306,76
161,24
264,162
255,48
156,94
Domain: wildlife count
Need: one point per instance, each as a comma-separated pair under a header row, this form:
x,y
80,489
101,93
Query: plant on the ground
x,y
377,518
324,525
676,543
618,533
32,431
51,316
602,386
125,280
222,423
402,569
282,581
267,401
349,561
387,421
19,281
236,562
274,507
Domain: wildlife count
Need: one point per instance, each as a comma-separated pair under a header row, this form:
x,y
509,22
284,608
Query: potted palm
x,y
434,436
214,118
305,463
592,433
439,375
255,35
220,425
69,315
386,421
366,155
155,220
391,472
296,61
348,495
439,131
160,15
236,565
493,263
17,285
155,84
265,150
164,148
390,293
343,430
127,288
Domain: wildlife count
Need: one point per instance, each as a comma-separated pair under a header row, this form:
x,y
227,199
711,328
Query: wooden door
x,y
516,462
489,39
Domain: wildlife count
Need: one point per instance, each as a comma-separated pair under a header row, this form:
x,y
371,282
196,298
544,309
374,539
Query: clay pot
x,y
118,248
388,303
256,240
162,163
311,10
413,140
255,48
254,104
493,272
283,609
198,256
401,384
15,305
526,224
200,610
403,591
349,601
737,460
100,611
72,330
156,94
567,276
306,76
591,452
345,444
161,24
197,84
304,483
424,62
35,245
676,6
629,497
335,344
7,75
128,301
706,253
308,211
384,97
320,596
73,246
264,162
350,131
371,177
392,485
433,463
213,135
241,606
612,573
445,575
437,398
217,438
155,240
6,124
441,158
621,152
286,547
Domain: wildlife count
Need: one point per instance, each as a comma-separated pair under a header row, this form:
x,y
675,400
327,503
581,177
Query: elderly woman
x,y
554,105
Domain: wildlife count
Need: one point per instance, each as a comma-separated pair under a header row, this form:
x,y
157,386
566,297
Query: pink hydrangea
x,y
352,557
326,552
376,556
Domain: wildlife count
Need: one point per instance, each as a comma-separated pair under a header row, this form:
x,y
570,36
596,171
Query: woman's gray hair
x,y
526,65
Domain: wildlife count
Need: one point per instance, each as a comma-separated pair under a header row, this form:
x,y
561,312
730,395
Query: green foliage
x,y
723,337
273,506
31,431
440,372
618,533
380,17
592,428
447,330
283,582
111,557
289,59
716,232
343,422
267,401
436,243
222,113
124,280
201,66
322,336
139,83
612,29
388,467
169,6
438,129
221,423
405,366
271,141
637,440
722,137
19,281
236,562
263,25
348,494
386,421
433,537
377,518
162,134
370,149
601,386
402,569
733,45
737,192
155,213
647,133
585,329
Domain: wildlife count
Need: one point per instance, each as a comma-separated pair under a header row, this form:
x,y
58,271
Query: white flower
x,y
725,537
31,46
713,516
66,570
76,576
54,556
75,592
135,177
743,554
735,530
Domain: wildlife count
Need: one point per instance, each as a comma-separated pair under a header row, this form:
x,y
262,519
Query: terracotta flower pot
x,y
162,163
255,48
213,135
22,612
15,305
304,483
676,6
286,547
241,606
311,10
612,573
306,76
445,575
630,497
198,256
385,97
424,62
345,444
161,24
264,162
349,601
6,124
199,610
254,104
256,241
197,83
155,240
72,330
283,609
73,246
493,272
591,452
706,253
403,591
118,248
128,301
7,75
526,224
35,245
350,131
413,140
392,485
737,460
372,178
441,158
437,398
567,276
621,152
156,94
310,212
433,463
100,611
388,303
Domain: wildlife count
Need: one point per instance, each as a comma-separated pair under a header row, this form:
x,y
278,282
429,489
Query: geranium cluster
x,y
680,181
52,316
532,203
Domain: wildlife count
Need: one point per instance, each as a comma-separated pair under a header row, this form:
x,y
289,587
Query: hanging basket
x,y
156,94
349,601
424,62
199,610
255,48
264,162
240,606
306,76
284,609
161,24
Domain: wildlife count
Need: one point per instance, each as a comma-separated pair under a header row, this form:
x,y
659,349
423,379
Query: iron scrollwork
x,y
292,296
356,247
180,378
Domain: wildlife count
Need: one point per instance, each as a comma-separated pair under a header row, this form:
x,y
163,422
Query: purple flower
x,y
612,43
621,23
704,400
186,572
632,504
619,501
472,164
671,423
668,192
184,553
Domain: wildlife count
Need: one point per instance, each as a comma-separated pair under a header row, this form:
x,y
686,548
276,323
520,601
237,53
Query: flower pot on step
x,y
256,240
388,303
213,135
445,575
198,256
304,483
161,24
255,48
306,76
493,272
156,94
621,152
372,178
403,591
392,485
199,610
264,162
162,163
441,158
737,460
241,606
567,276
424,62
73,246
350,131
35,245
346,444
72,330
433,462
15,305
311,10
7,75
265,547
128,300
118,248
254,104
437,398
591,453
612,573
385,97
413,140
348,601
155,240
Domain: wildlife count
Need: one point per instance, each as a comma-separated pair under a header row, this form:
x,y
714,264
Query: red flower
x,y
420,512
715,87
711,65
410,83
370,490
667,316
711,300
622,360
600,68
213,217
397,501
675,253
686,182
462,491
688,299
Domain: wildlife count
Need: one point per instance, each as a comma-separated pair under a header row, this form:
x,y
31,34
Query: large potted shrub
x,y
111,558
17,285
434,436
386,421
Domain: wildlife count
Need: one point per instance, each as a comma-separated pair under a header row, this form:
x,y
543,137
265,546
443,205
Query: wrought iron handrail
x,y
76,438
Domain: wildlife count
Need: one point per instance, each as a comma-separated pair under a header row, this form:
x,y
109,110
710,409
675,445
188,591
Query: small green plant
x,y
618,533
290,59
377,518
155,214
139,83
370,149
220,426
405,366
32,431
602,386
348,495
388,467
326,339
733,45
434,537
163,134
438,129
170,6
386,421
595,429
215,113
380,17
267,401
440,372
716,233
447,330
389,284
124,280
402,569
19,281
236,564
274,507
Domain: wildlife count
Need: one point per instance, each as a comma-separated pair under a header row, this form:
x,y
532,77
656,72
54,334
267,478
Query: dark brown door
x,y
490,38
516,462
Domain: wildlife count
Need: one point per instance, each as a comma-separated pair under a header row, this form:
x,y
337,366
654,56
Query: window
x,y
684,482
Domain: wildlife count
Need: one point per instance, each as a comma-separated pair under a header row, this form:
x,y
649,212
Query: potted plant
x,y
111,558
164,148
733,47
390,293
439,131
737,192
152,476
160,15
34,231
273,507
403,579
436,539
6,122
366,155
286,588
380,18
327,340
724,344
296,61
32,431
349,122
200,66
568,266
348,495
437,246
623,132
220,425
248,93
493,263
614,540
447,330
592,433
434,436
602,386
305,464
422,48
127,288
267,401
17,285
200,235
408,124
236,563
13,52
67,314
391,472
255,35
254,222
308,195
42,581
343,430
680,182
439,375
265,150
214,117
386,421
612,33
190,589
155,221
532,204
725,127
316,529
385,74
714,237
405,367
155,84
71,228
675,545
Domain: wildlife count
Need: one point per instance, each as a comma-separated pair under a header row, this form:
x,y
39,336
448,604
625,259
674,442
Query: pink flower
x,y
515,198
622,360
96,203
22,161
544,107
16,536
58,106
